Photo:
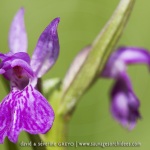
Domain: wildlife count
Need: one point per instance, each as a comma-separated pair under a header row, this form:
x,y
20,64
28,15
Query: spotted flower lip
x,y
25,108
124,103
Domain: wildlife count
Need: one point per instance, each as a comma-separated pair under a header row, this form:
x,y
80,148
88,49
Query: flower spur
x,y
25,108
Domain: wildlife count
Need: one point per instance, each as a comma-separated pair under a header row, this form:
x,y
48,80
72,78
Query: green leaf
x,y
94,62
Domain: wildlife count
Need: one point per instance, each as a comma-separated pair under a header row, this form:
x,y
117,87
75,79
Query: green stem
x,y
11,145
35,139
101,48
58,133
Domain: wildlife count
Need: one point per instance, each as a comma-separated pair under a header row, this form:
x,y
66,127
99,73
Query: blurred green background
x,y
81,21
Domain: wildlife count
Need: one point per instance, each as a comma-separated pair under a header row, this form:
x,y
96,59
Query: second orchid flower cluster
x,y
124,104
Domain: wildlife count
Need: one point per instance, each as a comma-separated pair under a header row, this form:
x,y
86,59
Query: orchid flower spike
x,y
124,103
25,108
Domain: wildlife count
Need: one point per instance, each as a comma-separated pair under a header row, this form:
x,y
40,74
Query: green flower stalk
x,y
95,60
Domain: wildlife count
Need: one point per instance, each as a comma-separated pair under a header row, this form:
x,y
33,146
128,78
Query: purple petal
x,y
5,56
47,49
133,55
23,56
10,56
10,61
123,56
124,103
17,33
25,110
2,56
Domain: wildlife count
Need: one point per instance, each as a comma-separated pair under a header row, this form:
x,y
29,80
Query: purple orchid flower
x,y
25,108
124,103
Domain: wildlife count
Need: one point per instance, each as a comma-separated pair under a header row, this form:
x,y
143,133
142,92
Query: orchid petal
x,y
2,56
123,56
124,103
132,55
10,56
23,56
47,49
20,59
17,33
25,110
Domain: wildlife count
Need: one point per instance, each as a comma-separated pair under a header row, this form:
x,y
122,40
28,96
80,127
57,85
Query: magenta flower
x,y
25,108
124,103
